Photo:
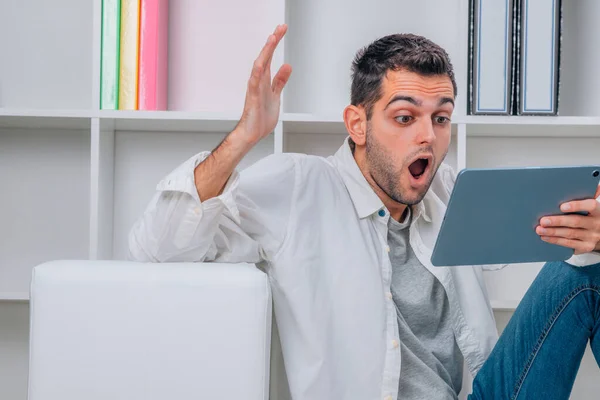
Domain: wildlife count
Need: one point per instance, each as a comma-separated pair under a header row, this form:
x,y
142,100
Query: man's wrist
x,y
240,141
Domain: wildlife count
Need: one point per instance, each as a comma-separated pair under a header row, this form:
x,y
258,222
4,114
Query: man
x,y
346,242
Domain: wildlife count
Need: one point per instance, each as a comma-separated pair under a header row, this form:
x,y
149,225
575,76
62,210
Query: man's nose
x,y
426,134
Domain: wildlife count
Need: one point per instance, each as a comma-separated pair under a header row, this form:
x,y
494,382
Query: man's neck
x,y
404,214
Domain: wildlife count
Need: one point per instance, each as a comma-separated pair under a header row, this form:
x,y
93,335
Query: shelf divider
x,y
101,189
461,147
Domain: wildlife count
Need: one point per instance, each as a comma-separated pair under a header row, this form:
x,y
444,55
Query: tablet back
x,y
492,214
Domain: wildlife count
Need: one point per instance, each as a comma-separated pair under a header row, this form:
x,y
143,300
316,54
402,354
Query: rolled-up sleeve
x,y
247,222
584,260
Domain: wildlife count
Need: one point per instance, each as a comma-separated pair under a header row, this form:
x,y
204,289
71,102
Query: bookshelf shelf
x,y
208,122
528,120
559,126
44,118
504,305
170,121
14,296
513,126
526,126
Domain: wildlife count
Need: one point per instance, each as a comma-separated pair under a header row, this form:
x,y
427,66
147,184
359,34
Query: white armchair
x,y
124,330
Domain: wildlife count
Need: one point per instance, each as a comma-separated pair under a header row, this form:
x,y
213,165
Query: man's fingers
x,y
266,52
579,246
262,63
281,78
279,33
567,221
567,233
589,205
581,240
597,193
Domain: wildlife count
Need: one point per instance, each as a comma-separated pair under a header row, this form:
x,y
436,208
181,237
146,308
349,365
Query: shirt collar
x,y
365,200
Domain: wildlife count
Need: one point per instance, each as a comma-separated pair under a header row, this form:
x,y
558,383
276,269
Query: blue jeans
x,y
539,353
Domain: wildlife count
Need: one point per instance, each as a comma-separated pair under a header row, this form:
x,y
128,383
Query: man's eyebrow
x,y
410,99
445,100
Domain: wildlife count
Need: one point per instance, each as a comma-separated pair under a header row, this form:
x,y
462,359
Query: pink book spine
x,y
153,54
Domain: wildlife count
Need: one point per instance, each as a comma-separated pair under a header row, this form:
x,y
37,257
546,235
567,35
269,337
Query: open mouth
x,y
419,167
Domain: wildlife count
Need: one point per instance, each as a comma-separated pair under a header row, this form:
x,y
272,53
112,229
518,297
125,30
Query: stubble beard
x,y
385,174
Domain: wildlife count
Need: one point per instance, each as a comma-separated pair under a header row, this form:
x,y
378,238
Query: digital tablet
x,y
492,214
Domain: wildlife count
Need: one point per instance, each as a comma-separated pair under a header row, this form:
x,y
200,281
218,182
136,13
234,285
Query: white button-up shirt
x,y
316,227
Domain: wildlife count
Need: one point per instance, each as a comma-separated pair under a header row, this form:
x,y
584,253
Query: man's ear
x,y
355,119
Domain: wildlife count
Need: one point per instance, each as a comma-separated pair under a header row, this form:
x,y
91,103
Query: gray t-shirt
x,y
432,364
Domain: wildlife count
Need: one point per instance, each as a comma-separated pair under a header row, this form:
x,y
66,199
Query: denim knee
x,y
565,277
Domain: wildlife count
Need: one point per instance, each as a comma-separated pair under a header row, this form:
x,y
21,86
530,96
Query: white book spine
x,y
491,49
540,57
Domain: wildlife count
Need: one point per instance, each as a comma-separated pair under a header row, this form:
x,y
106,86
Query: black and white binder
x,y
491,72
540,37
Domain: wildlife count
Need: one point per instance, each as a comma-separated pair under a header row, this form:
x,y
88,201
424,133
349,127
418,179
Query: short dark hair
x,y
395,52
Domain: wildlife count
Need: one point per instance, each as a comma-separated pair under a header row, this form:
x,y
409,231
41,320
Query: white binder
x,y
539,57
491,66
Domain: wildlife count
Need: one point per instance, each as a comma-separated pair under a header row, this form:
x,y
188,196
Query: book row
x,y
134,59
514,57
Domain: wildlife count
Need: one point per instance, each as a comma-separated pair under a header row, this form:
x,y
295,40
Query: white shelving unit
x,y
76,177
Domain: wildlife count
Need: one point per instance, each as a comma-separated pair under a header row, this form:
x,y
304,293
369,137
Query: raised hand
x,y
260,115
263,95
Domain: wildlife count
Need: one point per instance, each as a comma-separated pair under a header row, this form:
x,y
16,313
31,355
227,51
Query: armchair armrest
x,y
125,330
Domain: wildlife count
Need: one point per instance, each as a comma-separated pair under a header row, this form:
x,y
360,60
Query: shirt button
x,y
382,213
389,295
387,249
395,343
196,210
388,398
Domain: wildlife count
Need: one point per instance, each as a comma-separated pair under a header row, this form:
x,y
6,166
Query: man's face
x,y
409,133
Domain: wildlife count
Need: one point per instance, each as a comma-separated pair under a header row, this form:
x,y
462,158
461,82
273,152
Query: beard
x,y
387,173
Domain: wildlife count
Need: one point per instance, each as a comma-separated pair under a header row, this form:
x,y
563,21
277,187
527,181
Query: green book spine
x,y
109,71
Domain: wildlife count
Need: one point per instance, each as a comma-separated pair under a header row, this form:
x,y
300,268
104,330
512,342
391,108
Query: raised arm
x,y
205,210
260,115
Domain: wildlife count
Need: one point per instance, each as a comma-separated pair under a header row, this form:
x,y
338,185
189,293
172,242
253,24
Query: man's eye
x,y
442,120
404,119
